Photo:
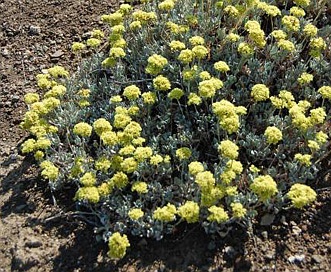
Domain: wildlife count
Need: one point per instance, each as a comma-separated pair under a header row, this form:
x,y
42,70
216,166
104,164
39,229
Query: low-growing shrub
x,y
209,112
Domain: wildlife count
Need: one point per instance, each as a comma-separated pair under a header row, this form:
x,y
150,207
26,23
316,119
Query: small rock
x,y
5,53
311,249
230,251
34,30
296,258
15,98
283,220
296,230
57,54
269,256
267,219
162,268
264,234
317,258
33,244
293,223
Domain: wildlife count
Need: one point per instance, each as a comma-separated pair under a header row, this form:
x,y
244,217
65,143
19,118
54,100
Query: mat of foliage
x,y
29,242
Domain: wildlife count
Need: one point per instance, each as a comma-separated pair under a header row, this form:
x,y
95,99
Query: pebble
x,y
269,256
33,244
264,234
5,53
317,258
57,54
296,258
34,30
267,219
296,230
230,251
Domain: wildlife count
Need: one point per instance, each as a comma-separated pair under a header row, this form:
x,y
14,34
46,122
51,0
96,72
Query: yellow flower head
x,y
260,92
82,129
228,149
264,186
217,214
189,211
117,245
166,213
140,187
273,135
135,214
301,195
183,153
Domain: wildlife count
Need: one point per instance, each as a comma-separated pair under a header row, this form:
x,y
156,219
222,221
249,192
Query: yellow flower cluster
x,y
317,45
82,129
291,23
221,66
189,211
205,180
119,180
93,42
117,245
305,78
177,29
166,5
238,210
101,125
195,167
256,34
285,99
186,56
144,17
228,149
177,45
149,98
271,10
217,214
166,213
143,153
194,99
49,170
273,135
207,88
245,49
301,195
176,93
264,186
260,92
200,51
31,98
88,179
131,92
304,159
135,214
297,12
302,3
183,153
232,169
310,30
155,65
228,115
140,187
279,34
161,83
231,10
102,164
90,194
